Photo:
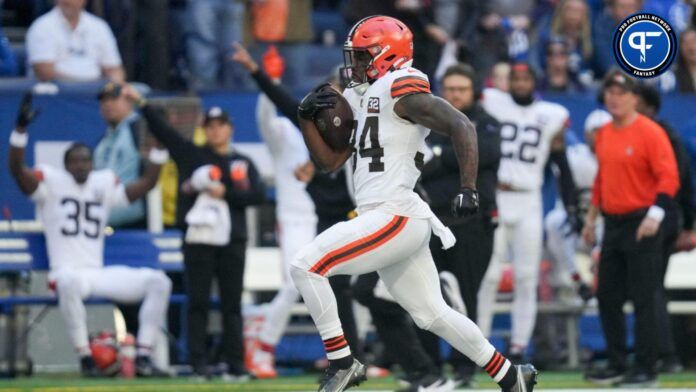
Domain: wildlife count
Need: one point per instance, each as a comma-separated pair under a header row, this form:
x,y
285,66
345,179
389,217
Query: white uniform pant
x,y
518,238
397,248
561,244
118,283
294,234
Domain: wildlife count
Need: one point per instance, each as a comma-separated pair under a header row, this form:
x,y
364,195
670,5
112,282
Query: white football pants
x,y
518,238
397,248
118,283
294,234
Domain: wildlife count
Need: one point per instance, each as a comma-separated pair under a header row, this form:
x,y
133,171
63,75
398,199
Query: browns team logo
x,y
373,105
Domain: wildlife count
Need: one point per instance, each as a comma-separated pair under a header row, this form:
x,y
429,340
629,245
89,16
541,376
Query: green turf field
x,y
547,380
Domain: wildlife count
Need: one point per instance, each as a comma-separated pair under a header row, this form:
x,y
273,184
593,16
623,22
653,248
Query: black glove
x,y
573,223
465,203
26,113
316,101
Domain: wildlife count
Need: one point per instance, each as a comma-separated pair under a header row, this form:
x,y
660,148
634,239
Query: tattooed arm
x,y
438,115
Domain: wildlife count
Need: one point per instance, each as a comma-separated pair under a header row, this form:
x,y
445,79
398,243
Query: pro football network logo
x,y
645,45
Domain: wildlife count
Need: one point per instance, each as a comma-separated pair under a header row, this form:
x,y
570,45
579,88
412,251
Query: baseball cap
x,y
618,78
216,113
109,90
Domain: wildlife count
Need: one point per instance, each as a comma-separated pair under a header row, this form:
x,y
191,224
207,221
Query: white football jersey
x,y
74,215
389,150
526,133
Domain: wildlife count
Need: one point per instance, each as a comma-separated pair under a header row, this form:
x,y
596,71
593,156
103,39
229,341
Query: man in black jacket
x,y
469,258
679,220
240,187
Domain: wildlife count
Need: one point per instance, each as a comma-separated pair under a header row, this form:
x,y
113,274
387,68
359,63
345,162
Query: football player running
x,y
392,231
532,131
74,205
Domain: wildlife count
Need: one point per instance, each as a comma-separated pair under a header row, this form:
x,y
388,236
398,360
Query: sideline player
x,y
392,231
74,205
531,132
561,240
297,224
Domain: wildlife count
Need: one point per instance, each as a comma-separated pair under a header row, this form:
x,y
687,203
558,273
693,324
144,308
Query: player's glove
x,y
316,101
26,113
574,222
465,203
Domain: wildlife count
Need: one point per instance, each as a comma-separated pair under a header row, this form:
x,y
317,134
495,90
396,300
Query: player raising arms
x,y
391,233
74,205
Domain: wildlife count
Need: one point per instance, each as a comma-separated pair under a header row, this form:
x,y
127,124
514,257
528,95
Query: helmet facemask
x,y
358,65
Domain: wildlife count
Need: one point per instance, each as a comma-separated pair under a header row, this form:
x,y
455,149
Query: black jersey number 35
x,y
72,227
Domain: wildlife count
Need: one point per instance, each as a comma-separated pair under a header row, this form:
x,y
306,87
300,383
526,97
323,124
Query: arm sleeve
x,y
179,148
662,163
253,194
280,97
566,182
40,46
269,126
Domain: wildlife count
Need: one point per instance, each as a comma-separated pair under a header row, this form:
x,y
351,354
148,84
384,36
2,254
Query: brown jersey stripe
x,y
409,85
360,246
410,77
409,91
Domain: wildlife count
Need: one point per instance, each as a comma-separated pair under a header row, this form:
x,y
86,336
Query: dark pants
x,y
394,328
628,270
226,264
340,284
468,261
670,228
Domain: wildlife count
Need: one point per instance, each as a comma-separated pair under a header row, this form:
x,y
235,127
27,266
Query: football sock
x,y
501,371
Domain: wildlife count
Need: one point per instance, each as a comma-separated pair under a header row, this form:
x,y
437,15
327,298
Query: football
x,y
336,124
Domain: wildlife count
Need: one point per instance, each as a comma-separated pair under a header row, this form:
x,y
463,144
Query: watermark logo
x,y
645,45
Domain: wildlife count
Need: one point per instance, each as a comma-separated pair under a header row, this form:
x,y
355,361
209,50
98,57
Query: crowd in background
x,y
178,44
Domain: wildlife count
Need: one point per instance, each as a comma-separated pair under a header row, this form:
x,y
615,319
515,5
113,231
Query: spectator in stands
x,y
119,151
239,186
678,221
571,24
215,25
8,63
636,182
603,31
500,76
559,77
686,61
508,21
69,43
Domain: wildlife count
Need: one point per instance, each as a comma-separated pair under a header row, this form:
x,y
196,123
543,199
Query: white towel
x,y
208,221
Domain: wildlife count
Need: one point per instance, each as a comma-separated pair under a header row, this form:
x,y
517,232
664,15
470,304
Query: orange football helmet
x,y
376,45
